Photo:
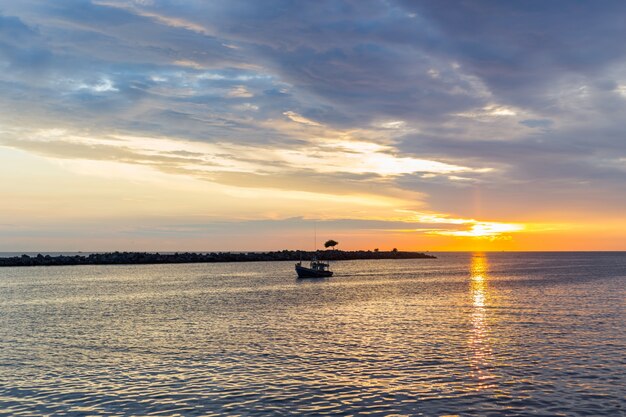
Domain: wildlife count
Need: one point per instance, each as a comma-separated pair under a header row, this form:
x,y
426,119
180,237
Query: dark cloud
x,y
519,49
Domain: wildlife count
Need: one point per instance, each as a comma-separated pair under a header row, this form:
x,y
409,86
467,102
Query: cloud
x,y
438,226
300,119
522,50
239,91
465,227
20,47
159,18
545,123
332,159
12,28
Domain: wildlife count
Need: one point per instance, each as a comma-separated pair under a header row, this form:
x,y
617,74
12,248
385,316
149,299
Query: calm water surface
x,y
466,334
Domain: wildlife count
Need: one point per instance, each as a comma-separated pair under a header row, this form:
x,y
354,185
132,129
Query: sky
x,y
260,125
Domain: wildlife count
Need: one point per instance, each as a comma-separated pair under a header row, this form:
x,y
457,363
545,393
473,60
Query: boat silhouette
x,y
316,269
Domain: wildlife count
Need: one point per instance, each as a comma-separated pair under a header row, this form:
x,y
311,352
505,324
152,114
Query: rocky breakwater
x,y
134,258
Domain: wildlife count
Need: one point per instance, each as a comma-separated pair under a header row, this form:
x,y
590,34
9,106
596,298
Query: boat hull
x,y
304,272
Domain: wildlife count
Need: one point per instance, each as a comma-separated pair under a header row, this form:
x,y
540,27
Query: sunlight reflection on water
x,y
479,339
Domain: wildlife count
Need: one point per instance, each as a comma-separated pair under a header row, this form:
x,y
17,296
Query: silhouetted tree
x,y
331,243
394,250
376,250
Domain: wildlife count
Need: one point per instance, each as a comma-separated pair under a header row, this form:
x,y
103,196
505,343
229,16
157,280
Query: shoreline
x,y
147,258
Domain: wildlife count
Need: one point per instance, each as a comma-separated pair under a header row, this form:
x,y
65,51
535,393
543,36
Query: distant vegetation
x,y
331,243
119,258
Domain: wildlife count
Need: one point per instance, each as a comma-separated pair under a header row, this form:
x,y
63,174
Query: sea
x,y
466,334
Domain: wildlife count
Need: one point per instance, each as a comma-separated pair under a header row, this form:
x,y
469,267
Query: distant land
x,y
133,258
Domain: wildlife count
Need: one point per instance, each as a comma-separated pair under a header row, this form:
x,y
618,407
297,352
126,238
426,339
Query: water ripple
x,y
482,335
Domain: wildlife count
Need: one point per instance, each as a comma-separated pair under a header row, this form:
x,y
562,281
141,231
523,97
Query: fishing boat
x,y
316,269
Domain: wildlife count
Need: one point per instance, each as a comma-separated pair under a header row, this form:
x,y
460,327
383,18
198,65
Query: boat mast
x,y
314,236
